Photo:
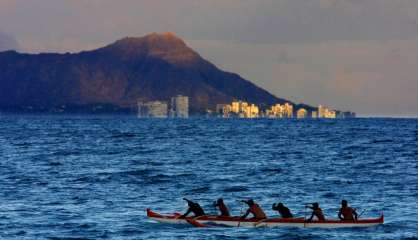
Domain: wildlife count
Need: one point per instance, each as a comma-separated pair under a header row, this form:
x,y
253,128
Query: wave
x,y
54,163
65,153
200,190
329,195
235,189
355,147
157,179
139,172
272,170
123,135
22,144
382,141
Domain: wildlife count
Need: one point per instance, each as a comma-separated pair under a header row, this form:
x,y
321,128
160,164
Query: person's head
x,y
250,202
315,205
188,201
220,201
344,203
280,205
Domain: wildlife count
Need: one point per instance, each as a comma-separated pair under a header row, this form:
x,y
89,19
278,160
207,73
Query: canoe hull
x,y
271,222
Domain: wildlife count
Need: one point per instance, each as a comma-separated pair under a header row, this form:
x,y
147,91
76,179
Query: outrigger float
x,y
208,220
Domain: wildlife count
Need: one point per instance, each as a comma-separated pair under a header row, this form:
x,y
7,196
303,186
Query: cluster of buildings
x,y
238,109
280,111
178,108
324,112
243,109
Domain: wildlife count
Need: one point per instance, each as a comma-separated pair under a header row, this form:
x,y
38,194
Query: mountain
x,y
115,77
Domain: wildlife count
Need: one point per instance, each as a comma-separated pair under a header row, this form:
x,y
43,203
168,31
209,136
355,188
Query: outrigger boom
x,y
209,220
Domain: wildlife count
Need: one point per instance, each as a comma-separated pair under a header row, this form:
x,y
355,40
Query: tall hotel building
x,y
179,107
154,109
322,111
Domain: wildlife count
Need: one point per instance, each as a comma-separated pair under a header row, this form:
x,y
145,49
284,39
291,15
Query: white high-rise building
x,y
302,113
288,110
179,107
322,111
154,109
275,111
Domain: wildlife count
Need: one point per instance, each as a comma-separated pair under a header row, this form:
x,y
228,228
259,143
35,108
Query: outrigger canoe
x,y
208,220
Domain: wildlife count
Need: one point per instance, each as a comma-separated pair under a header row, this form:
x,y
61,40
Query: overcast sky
x,y
359,55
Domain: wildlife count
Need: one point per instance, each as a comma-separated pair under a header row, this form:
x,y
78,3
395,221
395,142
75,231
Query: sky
x,y
358,55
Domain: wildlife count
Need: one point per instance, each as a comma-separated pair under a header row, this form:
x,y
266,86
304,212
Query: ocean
x,y
92,177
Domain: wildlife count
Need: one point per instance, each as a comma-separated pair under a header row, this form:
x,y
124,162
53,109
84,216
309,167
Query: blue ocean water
x,y
93,177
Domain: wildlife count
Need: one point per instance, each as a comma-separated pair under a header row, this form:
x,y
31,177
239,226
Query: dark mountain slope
x,y
154,67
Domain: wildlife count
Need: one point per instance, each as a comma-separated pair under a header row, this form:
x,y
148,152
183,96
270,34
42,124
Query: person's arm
x,y
355,214
217,207
290,213
187,213
312,215
340,214
246,214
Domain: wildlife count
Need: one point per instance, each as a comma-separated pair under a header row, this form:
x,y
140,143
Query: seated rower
x,y
317,212
255,210
347,213
222,207
283,210
194,208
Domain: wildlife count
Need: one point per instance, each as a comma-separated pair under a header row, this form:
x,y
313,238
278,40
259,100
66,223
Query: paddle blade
x,y
195,223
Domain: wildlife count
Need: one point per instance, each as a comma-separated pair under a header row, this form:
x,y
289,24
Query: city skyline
x,y
178,107
243,109
355,55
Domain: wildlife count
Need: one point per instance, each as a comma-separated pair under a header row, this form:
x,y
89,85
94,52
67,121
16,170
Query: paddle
x,y
304,218
214,206
191,221
361,213
261,221
195,223
240,212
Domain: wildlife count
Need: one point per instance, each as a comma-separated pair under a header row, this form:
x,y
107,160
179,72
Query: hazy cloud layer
x,y
350,54
8,42
378,78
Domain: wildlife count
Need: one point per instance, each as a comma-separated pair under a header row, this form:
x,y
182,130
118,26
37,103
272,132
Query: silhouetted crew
x,y
222,207
317,212
347,213
194,208
254,209
283,210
